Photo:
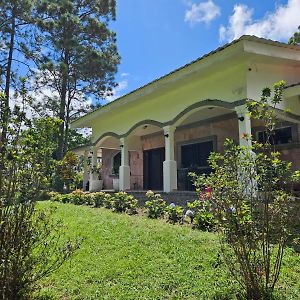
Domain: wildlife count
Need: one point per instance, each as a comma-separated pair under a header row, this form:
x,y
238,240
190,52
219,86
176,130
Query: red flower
x,y
207,193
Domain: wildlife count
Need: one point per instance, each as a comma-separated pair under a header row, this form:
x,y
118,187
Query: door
x,y
193,159
153,168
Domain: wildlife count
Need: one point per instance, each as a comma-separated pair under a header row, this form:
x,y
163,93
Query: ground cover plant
x,y
134,257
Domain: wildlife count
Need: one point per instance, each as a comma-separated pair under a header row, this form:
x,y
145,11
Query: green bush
x,y
98,198
155,205
203,217
108,201
122,202
174,213
54,196
77,197
251,198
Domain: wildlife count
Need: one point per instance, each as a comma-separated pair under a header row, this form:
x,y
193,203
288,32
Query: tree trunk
x,y
5,103
62,109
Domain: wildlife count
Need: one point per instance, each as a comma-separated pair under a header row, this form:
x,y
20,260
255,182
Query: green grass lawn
x,y
132,257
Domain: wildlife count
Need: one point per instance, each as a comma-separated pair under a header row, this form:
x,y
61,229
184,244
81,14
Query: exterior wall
x,y
227,128
136,169
291,152
175,99
221,129
292,155
106,173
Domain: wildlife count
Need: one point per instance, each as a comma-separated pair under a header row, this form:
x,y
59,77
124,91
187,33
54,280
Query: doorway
x,y
153,168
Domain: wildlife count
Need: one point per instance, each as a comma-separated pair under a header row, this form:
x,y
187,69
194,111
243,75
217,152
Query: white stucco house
x,y
152,137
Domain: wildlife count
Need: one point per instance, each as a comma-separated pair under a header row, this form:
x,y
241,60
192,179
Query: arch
x,y
105,135
141,123
201,104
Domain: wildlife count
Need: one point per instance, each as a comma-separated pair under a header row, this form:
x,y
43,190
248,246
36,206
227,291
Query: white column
x,y
124,170
85,170
169,165
244,125
244,120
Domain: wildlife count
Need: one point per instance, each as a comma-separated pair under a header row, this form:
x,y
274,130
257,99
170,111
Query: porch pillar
x,y
124,170
244,125
249,184
85,170
169,165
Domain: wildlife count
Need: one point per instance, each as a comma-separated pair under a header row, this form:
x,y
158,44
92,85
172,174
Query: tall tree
x,y
80,56
15,28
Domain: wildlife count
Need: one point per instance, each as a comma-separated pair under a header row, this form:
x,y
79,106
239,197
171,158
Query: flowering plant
x,y
250,196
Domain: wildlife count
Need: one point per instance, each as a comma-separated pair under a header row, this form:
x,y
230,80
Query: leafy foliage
x,y
30,248
202,216
174,213
122,202
30,243
295,39
66,169
155,205
251,201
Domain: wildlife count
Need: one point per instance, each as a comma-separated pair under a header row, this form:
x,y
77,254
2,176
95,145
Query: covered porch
x,y
157,156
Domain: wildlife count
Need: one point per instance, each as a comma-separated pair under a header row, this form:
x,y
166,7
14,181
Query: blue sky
x,y
157,36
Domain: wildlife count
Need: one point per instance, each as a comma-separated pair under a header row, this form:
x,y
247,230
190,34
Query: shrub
x,y
55,196
155,205
108,201
98,198
122,202
31,247
202,216
30,242
174,213
251,199
77,197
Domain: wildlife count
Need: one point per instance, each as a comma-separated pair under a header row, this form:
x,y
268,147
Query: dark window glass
x,y
196,155
116,163
280,136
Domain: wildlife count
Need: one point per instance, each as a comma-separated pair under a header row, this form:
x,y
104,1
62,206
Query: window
x,y
116,163
196,155
281,136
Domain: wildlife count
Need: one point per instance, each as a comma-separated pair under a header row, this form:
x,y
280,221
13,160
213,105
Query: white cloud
x,y
117,91
203,12
125,74
277,25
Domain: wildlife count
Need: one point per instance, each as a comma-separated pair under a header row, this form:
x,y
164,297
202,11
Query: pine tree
x,y
80,56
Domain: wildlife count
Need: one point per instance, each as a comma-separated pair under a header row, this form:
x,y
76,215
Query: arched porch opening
x,y
146,150
109,147
199,132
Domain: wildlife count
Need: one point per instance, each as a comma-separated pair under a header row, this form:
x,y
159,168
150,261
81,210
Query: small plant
x,y
155,205
174,213
108,201
123,202
202,217
55,196
98,198
97,169
78,197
